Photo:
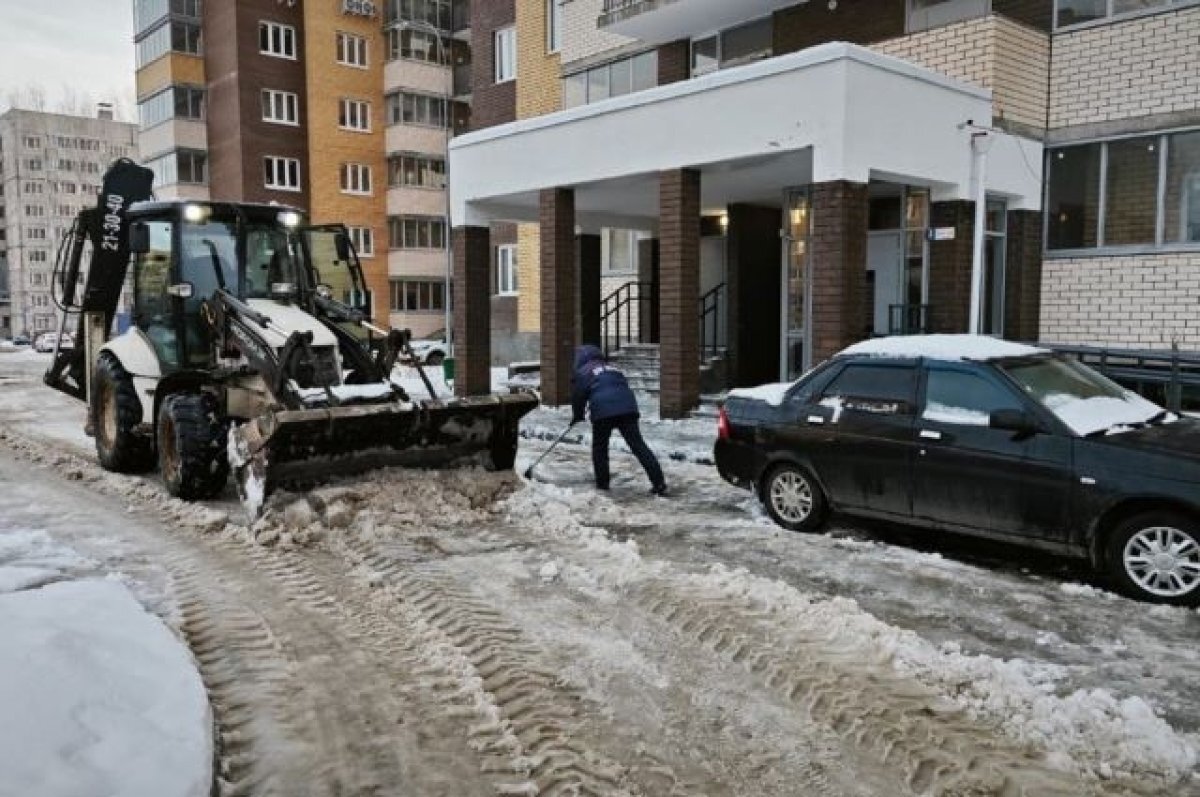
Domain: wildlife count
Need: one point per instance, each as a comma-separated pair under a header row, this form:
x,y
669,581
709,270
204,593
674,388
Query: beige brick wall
x,y
1135,68
993,53
581,38
1142,301
529,281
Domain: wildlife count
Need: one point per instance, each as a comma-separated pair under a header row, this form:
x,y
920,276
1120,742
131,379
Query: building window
x,y
181,166
355,115
35,211
32,142
418,296
417,45
280,107
506,270
734,46
177,102
554,20
926,14
437,13
504,51
37,233
277,40
1068,13
613,79
34,164
351,50
619,250
282,174
416,109
180,37
416,171
363,241
356,178
1134,192
416,232
38,256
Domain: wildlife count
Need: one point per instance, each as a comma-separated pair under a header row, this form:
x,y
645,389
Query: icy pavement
x,y
99,696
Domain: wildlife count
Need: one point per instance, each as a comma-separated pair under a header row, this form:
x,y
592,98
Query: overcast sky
x,y
86,45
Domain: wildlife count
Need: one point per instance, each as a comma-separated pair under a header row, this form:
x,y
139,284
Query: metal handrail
x,y
909,319
710,306
620,306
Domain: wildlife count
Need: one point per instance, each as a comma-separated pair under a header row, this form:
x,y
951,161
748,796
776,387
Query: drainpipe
x,y
981,142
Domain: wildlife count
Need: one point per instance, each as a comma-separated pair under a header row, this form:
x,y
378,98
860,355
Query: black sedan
x,y
977,436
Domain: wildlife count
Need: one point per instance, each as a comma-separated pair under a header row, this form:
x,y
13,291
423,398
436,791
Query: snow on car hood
x,y
773,394
1099,413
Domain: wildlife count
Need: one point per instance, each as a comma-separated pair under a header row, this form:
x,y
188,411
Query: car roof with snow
x,y
942,347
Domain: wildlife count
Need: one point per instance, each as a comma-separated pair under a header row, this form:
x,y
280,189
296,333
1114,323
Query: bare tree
x,y
31,97
74,102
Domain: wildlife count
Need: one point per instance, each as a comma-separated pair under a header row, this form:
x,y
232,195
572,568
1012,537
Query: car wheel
x,y
435,359
793,499
191,446
1155,556
116,414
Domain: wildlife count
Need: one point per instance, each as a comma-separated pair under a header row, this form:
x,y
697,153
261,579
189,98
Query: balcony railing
x,y
615,10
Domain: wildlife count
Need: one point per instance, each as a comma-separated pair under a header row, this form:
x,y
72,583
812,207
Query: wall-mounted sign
x,y
941,233
359,8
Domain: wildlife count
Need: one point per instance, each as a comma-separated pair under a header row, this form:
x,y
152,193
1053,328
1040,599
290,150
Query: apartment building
x,y
340,108
51,167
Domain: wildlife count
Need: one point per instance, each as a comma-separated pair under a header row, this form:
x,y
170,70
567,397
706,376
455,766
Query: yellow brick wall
x,y
994,53
328,82
539,92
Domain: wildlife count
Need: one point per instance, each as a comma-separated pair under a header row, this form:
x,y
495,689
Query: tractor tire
x,y
191,446
116,413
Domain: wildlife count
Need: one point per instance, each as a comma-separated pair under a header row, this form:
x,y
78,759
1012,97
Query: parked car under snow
x,y
983,437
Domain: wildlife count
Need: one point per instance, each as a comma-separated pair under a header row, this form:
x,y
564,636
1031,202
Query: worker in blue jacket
x,y
602,388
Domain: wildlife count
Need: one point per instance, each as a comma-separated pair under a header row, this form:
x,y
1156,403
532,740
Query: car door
x,y
969,475
866,462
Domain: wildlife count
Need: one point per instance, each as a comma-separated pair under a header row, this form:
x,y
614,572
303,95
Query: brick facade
x,y
558,288
752,297
539,80
838,264
472,311
679,292
950,267
582,38
492,103
1130,301
1023,275
1137,68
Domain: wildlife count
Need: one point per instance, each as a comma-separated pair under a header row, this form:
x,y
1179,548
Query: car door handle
x,y
929,434
815,420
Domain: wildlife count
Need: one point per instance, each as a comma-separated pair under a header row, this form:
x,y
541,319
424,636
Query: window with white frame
x,y
554,20
363,241
355,115
416,171
417,45
504,52
506,270
281,174
416,109
927,14
35,211
38,256
280,107
417,232
417,296
351,50
619,250
277,40
37,233
356,178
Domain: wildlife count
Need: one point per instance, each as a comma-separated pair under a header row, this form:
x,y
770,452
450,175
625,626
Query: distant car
x,y
47,341
431,349
982,437
20,340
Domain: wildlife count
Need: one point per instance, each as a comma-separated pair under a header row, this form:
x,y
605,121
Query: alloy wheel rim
x,y
791,496
1163,560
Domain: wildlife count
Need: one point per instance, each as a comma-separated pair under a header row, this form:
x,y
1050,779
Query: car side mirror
x,y
139,238
1018,421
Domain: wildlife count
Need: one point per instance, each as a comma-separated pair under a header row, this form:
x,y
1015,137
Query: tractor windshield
x,y
210,259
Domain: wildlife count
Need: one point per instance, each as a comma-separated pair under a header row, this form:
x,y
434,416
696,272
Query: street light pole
x,y
447,124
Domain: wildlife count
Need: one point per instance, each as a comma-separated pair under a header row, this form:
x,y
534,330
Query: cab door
x,y
968,475
866,463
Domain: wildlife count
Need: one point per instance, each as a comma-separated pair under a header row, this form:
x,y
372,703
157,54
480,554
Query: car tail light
x,y
722,425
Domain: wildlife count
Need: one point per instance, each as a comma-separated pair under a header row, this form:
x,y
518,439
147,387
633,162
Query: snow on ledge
x,y
942,347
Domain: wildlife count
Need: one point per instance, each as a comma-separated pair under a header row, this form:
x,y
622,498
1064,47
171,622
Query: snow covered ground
x,y
466,633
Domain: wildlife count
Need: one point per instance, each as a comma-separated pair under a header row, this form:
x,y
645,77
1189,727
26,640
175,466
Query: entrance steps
x,y
641,364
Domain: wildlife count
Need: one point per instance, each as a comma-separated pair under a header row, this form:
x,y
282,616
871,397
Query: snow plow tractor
x,y
250,348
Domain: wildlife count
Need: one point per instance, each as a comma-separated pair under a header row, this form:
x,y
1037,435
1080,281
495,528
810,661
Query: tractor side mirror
x,y
342,243
139,238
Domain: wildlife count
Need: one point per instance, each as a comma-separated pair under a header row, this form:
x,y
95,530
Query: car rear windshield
x,y
1084,400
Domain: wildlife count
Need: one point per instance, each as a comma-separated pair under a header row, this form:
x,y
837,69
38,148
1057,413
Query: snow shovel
x,y
529,470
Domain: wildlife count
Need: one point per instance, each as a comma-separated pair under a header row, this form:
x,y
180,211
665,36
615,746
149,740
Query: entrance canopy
x,y
832,112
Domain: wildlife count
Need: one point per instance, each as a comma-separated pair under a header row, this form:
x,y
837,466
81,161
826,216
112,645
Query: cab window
x,y
964,398
153,307
877,389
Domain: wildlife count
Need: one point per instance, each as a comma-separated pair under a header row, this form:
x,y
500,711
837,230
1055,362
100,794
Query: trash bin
x,y
448,370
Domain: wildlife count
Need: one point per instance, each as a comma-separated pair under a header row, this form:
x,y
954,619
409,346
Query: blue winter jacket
x,y
600,385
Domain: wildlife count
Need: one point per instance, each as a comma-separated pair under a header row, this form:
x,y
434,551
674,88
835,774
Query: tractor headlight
x,y
289,218
195,214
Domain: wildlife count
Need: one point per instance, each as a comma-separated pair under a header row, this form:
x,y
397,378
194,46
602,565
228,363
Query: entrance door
x,y
885,251
796,351
994,268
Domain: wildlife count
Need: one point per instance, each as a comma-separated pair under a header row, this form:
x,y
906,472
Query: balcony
x,y
661,21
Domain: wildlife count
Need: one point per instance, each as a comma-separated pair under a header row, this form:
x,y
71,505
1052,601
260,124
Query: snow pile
x,y
942,347
30,558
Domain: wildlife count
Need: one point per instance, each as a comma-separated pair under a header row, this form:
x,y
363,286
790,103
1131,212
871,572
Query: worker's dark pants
x,y
627,425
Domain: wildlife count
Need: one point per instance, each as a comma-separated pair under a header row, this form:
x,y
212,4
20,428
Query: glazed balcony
x,y
658,21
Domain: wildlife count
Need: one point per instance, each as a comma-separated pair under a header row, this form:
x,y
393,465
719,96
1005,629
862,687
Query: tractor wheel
x,y
191,446
116,414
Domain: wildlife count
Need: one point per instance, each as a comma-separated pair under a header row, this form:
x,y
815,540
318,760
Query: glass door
x,y
994,267
796,287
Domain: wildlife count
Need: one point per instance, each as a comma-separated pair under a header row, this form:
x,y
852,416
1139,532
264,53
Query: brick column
x,y
1023,275
838,263
752,258
679,265
648,274
588,256
950,266
472,311
557,216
